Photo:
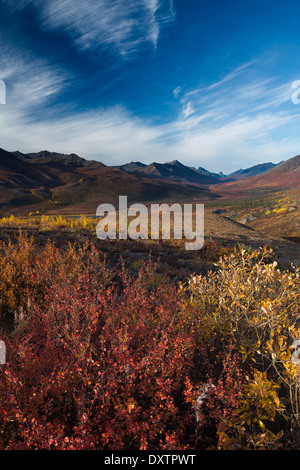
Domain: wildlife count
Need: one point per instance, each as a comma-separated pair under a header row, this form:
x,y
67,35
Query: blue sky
x,y
207,82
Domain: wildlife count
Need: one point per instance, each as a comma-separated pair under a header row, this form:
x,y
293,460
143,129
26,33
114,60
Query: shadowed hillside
x,y
283,177
48,181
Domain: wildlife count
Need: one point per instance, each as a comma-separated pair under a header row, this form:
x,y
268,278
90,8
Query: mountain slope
x,y
55,159
176,171
48,181
16,172
132,166
282,177
205,172
252,171
289,166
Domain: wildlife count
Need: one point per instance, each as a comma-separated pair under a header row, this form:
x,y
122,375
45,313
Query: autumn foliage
x,y
102,358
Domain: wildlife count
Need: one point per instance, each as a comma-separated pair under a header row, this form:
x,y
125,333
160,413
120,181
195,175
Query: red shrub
x,y
98,365
105,361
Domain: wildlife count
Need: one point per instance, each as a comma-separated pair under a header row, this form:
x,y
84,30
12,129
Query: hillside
x,y
289,166
269,202
51,182
56,159
284,176
174,171
46,181
252,171
18,173
132,166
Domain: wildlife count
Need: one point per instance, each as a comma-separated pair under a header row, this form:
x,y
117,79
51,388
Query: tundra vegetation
x,y
107,357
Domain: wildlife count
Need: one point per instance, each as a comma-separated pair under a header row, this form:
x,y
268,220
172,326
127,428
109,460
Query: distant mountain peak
x,y
132,166
45,157
173,170
174,162
205,172
252,171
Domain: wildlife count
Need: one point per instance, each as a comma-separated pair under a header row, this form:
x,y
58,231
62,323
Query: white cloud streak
x,y
123,25
114,136
243,119
30,82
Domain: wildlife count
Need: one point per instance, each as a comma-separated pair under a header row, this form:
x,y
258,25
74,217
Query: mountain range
x,y
284,176
48,180
252,171
178,172
174,170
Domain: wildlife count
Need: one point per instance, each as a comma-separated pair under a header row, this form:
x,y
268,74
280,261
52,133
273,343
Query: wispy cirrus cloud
x,y
37,115
123,25
245,117
240,93
216,129
30,81
33,117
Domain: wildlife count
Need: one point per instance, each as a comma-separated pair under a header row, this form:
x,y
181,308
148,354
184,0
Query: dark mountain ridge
x,y
174,171
49,180
53,158
69,179
252,171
